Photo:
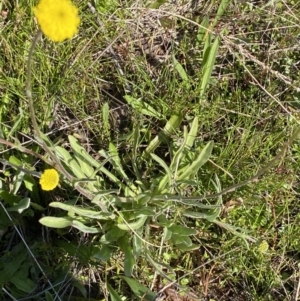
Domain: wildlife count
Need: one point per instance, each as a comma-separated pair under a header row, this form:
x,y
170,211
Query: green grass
x,y
117,120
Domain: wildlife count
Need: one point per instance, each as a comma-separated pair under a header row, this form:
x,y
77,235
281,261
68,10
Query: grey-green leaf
x,y
141,291
193,168
182,230
129,260
56,222
23,205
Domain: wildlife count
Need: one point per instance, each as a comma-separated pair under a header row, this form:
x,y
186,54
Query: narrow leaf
x,y
23,205
81,156
209,59
133,226
180,69
129,260
163,135
182,230
143,107
113,294
83,212
196,164
56,222
141,291
83,228
168,177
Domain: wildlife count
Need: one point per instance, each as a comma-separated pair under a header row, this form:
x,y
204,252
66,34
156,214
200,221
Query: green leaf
x,y
209,61
113,294
105,117
237,231
23,205
29,182
37,206
15,123
80,286
178,155
163,135
195,203
129,260
168,177
182,231
167,234
11,264
48,296
84,212
81,156
141,291
23,283
83,228
181,240
192,133
112,235
185,248
221,10
143,107
180,69
18,181
70,162
202,31
9,198
196,164
163,221
133,225
213,214
104,254
194,214
137,244
116,162
56,222
160,267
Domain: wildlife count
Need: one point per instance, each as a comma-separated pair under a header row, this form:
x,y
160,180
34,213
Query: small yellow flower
x,y
49,179
263,247
58,19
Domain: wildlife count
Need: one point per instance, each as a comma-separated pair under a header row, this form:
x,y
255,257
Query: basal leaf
x,y
209,62
70,162
56,222
113,294
133,225
141,291
81,156
83,228
83,212
23,205
202,158
112,235
182,230
129,260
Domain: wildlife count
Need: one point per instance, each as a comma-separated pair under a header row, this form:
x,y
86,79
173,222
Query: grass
x,y
128,114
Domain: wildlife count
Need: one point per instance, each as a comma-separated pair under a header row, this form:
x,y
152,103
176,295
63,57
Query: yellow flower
x,y
49,179
58,19
263,247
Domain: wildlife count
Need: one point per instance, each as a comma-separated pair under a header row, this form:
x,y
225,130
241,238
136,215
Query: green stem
x,y
37,133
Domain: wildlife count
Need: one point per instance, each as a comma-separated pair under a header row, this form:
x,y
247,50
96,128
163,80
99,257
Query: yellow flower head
x,y
49,179
58,19
263,247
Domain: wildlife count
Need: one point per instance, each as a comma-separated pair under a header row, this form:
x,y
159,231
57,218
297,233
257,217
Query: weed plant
x,y
149,151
